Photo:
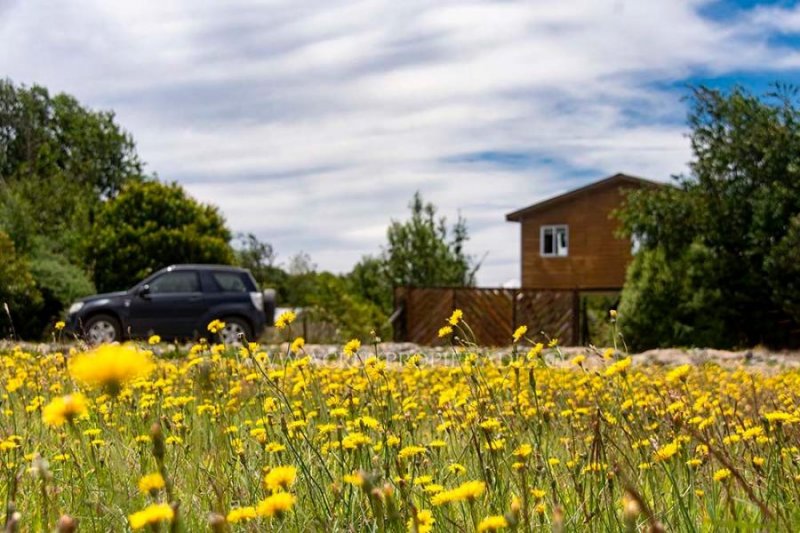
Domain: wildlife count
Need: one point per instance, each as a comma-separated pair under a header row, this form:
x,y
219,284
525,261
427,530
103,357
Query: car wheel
x,y
102,329
235,331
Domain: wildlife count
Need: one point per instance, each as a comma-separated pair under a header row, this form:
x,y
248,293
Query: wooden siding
x,y
597,258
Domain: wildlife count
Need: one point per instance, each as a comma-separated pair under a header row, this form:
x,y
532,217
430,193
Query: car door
x,y
170,305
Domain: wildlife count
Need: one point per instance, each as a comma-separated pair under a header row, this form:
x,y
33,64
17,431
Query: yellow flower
x,y
519,333
277,504
667,451
779,417
111,366
536,351
444,331
64,409
280,478
152,514
410,451
286,318
153,340
151,483
60,325
216,325
523,451
578,360
352,441
456,468
612,313
356,479
352,347
679,373
238,514
456,317
467,491
619,367
425,522
722,474
493,523
297,345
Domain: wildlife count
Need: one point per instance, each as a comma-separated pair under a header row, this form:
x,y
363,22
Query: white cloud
x,y
312,123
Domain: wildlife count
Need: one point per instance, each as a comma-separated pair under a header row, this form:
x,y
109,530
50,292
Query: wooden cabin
x,y
569,241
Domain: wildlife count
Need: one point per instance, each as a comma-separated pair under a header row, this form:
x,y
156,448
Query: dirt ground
x,y
756,358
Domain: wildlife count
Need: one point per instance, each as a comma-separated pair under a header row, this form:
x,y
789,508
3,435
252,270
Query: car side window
x,y
178,281
229,282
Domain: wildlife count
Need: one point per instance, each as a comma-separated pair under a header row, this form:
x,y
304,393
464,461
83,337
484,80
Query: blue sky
x,y
312,123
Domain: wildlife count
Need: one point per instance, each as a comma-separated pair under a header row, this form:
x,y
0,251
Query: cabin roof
x,y
617,179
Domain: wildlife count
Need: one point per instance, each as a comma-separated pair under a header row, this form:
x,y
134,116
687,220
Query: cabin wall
x,y
597,258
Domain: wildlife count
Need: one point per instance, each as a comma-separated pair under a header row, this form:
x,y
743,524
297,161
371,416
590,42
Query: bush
x,y
671,301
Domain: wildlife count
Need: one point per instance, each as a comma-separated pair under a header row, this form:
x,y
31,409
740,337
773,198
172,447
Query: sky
x,y
312,123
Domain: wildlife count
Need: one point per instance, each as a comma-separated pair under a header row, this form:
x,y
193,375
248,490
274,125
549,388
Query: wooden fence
x,y
492,314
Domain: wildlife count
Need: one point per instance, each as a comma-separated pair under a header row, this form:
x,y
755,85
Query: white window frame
x,y
555,228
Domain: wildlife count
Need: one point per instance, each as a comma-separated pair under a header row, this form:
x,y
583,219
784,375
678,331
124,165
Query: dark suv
x,y
177,302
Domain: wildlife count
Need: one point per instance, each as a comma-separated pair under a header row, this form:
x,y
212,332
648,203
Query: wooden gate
x,y
492,313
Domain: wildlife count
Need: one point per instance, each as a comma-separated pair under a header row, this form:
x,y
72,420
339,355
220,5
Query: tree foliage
x,y
150,225
17,289
59,161
43,135
422,251
720,249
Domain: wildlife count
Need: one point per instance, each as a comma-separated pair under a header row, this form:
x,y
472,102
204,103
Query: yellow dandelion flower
x,y
151,483
285,318
467,491
216,325
493,523
150,515
410,451
352,347
239,514
620,367
424,522
722,474
64,409
456,317
297,345
519,333
667,451
111,366
280,478
276,505
679,373
356,479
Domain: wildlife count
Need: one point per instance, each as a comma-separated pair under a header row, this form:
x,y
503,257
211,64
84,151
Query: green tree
x,y
422,251
370,280
43,135
18,291
59,161
720,249
150,225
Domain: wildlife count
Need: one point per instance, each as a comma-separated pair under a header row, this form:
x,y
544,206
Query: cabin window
x,y
554,241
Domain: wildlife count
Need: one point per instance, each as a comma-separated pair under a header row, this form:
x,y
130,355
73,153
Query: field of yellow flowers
x,y
245,439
